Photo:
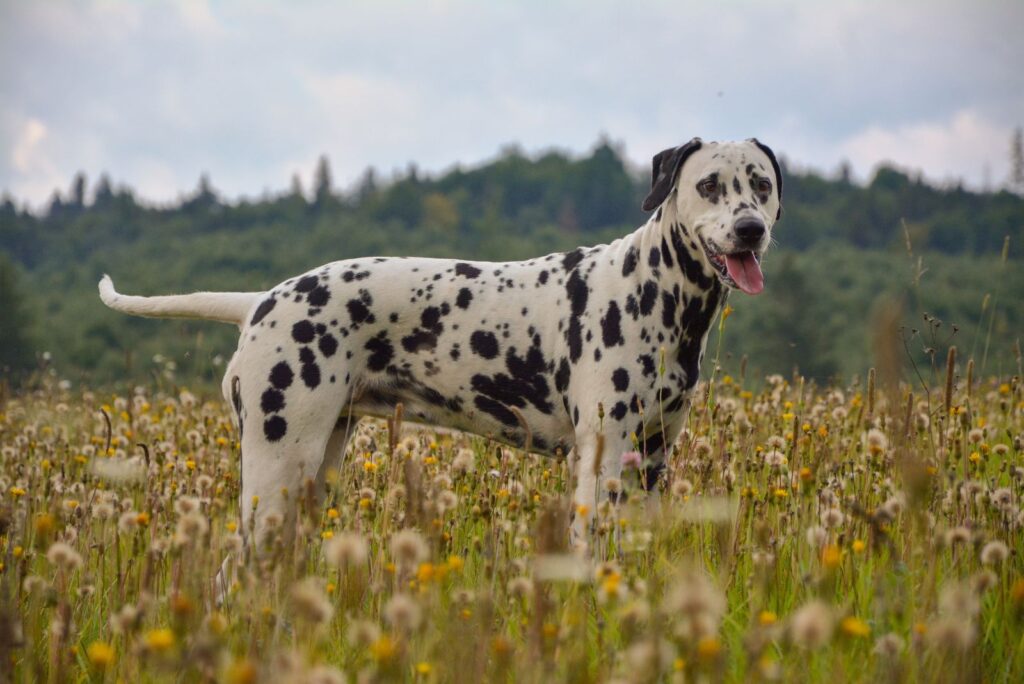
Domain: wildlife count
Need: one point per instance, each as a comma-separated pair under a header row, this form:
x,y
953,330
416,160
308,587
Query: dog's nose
x,y
749,229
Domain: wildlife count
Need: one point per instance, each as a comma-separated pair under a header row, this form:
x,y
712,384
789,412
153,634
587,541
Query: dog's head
x,y
727,196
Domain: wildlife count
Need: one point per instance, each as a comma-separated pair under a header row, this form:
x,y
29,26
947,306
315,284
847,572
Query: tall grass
x,y
800,534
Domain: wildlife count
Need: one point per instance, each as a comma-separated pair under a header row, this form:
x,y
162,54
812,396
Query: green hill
x,y
840,272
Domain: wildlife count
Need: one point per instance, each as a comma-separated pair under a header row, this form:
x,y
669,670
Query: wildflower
x,y
100,655
952,634
310,603
766,618
464,462
858,546
994,553
44,523
409,548
816,536
890,645
191,529
159,640
876,442
362,633
347,551
831,556
63,556
403,613
696,604
446,501
854,627
520,587
957,600
811,626
682,488
832,518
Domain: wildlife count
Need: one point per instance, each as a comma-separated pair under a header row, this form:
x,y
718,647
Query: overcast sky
x,y
251,92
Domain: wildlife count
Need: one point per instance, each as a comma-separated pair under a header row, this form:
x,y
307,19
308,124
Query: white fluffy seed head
x,y
408,548
811,625
347,550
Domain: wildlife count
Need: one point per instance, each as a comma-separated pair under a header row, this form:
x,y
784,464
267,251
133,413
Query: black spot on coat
x,y
265,307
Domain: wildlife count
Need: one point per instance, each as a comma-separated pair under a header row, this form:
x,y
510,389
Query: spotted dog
x,y
572,353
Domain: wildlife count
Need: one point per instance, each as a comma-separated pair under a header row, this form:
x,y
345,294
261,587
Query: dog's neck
x,y
681,271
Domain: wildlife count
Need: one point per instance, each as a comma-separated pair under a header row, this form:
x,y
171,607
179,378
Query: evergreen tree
x,y
322,183
15,323
1017,161
104,195
78,191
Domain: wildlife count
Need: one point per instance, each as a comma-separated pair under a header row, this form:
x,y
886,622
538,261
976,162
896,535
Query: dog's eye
x,y
764,185
709,185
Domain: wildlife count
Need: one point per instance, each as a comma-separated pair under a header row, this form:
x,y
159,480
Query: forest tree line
x,y
845,254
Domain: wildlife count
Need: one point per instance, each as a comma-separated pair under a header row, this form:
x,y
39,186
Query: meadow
x,y
801,533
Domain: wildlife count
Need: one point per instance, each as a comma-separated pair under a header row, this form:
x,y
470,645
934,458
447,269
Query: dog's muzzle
x,y
740,267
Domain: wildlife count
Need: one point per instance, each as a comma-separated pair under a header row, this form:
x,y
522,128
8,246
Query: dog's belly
x,y
551,435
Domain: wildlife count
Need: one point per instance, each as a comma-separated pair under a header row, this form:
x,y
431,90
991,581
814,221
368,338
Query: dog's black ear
x,y
778,171
665,170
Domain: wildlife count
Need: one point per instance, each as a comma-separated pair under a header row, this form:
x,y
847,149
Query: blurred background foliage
x,y
856,269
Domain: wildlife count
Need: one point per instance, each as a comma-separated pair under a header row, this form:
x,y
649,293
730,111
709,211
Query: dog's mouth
x,y
741,269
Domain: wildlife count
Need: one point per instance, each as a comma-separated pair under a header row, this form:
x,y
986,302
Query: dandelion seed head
x,y
309,602
403,613
811,626
994,553
347,550
64,556
889,646
408,548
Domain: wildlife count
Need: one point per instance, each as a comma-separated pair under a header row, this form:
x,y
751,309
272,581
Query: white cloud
x,y
962,147
156,94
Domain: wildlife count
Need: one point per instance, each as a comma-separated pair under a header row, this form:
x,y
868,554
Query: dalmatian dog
x,y
587,354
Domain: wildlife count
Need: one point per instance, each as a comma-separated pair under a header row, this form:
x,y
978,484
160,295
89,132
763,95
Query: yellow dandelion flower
x,y
327,534
855,627
100,654
767,618
190,464
831,556
16,492
1017,591
780,493
44,524
142,519
231,526
859,546
709,648
241,672
159,640
332,513
423,668
383,649
678,664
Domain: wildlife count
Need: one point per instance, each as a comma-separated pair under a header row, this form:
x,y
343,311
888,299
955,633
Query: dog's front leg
x,y
598,461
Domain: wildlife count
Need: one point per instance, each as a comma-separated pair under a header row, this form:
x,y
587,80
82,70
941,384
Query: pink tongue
x,y
744,269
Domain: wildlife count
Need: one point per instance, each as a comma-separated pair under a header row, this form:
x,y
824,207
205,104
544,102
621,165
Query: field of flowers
x,y
799,534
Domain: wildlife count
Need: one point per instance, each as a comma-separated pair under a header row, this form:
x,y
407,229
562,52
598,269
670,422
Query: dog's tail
x,y
227,307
